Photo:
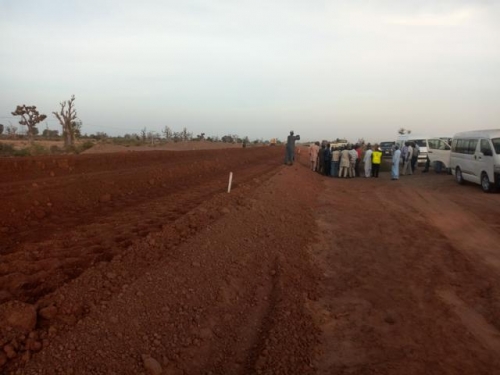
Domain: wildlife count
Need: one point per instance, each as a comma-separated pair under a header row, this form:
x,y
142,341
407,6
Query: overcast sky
x,y
325,69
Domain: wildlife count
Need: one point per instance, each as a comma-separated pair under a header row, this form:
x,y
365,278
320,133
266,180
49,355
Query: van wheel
x,y
485,183
458,176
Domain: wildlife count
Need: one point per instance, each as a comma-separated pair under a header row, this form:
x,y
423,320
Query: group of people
x,y
345,162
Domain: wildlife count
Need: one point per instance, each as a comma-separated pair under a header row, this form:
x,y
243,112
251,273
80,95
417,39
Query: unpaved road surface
x,y
142,264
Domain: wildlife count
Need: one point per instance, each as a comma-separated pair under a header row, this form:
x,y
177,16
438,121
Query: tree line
x,y
30,117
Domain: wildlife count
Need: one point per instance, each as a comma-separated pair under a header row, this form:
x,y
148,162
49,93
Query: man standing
x,y
414,158
409,155
357,147
321,159
368,161
290,148
313,155
395,163
328,160
404,152
353,157
376,160
335,162
345,164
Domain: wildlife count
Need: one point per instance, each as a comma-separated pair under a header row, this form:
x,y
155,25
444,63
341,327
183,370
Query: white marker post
x,y
230,182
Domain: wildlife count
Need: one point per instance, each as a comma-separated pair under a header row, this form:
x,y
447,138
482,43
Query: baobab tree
x,y
68,120
30,117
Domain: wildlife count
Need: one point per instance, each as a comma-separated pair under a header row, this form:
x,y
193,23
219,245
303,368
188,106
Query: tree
x,y
144,133
67,118
30,117
168,133
11,130
77,128
1,129
185,135
100,135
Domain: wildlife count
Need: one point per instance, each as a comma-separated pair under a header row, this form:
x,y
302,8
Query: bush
x,y
56,150
7,150
85,146
36,149
22,152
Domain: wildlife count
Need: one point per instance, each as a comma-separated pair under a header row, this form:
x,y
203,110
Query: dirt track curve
x,y
141,263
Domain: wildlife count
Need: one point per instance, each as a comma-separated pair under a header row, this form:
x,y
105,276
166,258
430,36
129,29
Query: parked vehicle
x,y
387,148
434,148
475,157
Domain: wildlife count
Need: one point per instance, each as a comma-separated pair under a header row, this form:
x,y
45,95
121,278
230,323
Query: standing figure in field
x,y
376,160
328,160
357,147
321,160
396,156
414,158
404,153
353,157
409,156
345,164
335,162
313,155
368,161
290,148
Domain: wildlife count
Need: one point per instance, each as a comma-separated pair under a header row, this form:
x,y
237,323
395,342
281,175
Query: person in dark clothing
x,y
414,157
290,148
321,160
328,160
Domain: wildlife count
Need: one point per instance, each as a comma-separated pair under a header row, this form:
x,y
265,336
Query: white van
x,y
475,157
434,148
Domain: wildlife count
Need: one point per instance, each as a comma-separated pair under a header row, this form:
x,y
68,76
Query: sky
x,y
257,68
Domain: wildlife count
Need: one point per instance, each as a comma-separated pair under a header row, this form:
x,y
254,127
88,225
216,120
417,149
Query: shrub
x,y
85,146
36,149
22,152
7,150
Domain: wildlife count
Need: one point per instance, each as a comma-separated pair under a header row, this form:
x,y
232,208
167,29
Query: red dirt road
x,y
152,268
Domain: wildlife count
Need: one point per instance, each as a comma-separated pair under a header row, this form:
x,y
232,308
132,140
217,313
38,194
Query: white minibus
x,y
434,148
475,157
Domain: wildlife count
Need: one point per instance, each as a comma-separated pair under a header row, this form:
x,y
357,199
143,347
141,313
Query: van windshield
x,y
420,142
496,144
386,144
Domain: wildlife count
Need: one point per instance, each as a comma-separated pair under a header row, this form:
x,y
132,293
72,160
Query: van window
x,y
496,144
485,147
437,144
464,146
